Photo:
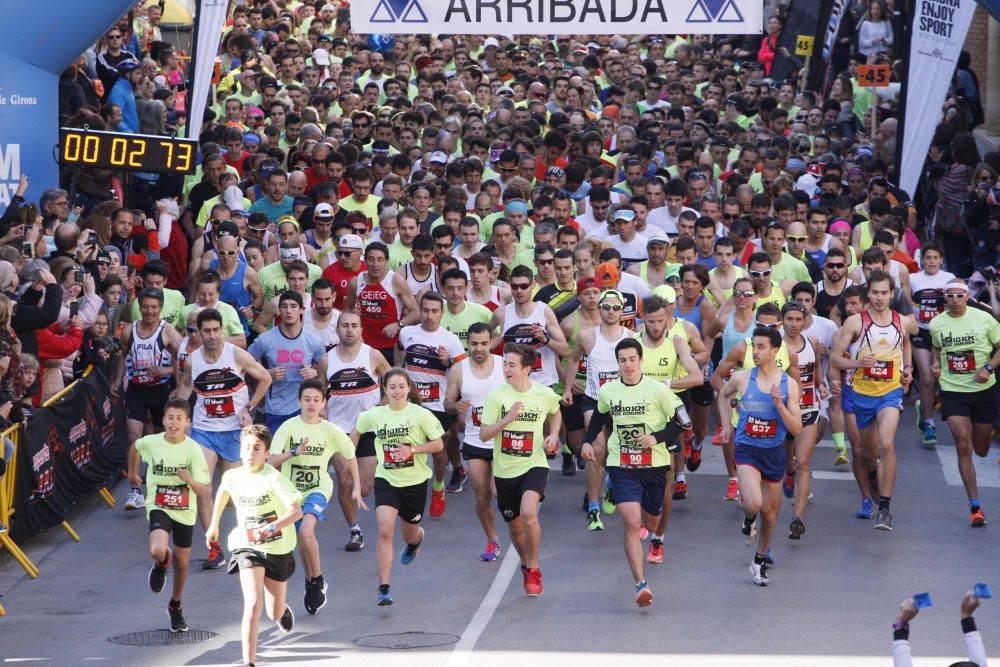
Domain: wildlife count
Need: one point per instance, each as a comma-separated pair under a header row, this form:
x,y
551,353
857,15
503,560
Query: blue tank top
x,y
694,317
731,336
760,423
233,292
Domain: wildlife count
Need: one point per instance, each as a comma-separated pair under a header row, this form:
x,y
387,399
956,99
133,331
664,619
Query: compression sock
x,y
593,506
883,502
439,486
838,440
974,504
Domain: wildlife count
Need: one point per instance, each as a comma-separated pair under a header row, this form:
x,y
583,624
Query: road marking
x,y
463,649
987,471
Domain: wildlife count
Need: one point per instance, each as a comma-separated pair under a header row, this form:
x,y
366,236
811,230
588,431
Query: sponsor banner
x,y
801,24
67,452
209,21
938,31
34,50
549,17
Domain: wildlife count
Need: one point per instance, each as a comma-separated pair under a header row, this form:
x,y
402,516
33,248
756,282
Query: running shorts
x,y
646,487
409,501
473,452
366,445
979,406
866,408
224,443
142,403
768,461
510,490
181,535
573,414
277,567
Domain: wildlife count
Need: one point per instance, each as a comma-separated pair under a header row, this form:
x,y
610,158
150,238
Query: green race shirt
x,y
172,311
231,324
635,410
518,447
166,491
273,281
308,469
260,498
459,324
413,425
966,345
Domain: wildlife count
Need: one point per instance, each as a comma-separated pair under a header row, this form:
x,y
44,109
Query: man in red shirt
x,y
317,172
349,264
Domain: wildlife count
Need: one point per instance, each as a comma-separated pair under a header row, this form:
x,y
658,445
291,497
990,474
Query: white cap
x,y
351,242
321,57
438,157
233,197
323,210
491,41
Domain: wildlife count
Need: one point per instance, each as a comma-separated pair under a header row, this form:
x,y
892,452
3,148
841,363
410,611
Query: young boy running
x,y
303,449
176,475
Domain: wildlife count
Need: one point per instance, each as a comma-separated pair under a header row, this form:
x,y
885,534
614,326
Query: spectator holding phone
x,y
37,307
901,656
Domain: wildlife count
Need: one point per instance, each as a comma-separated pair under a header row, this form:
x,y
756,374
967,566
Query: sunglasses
x,y
104,262
360,126
344,253
544,262
745,294
838,265
520,286
226,253
774,325
191,330
360,230
507,170
730,216
797,239
611,306
760,274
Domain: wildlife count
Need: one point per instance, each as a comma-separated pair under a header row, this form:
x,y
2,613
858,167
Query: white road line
x,y
463,649
987,471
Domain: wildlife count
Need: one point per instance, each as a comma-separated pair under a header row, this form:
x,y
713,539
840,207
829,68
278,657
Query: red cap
x,y
587,283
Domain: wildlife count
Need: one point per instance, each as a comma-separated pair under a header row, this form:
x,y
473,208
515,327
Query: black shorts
x,y
572,415
472,452
366,445
388,353
409,501
922,341
588,404
511,489
277,567
142,403
181,535
810,418
446,419
702,395
979,406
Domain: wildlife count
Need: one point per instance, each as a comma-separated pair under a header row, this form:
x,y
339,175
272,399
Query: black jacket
x,y
33,311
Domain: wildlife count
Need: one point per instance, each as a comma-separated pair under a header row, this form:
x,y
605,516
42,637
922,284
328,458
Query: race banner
x,y
209,22
68,451
566,17
938,31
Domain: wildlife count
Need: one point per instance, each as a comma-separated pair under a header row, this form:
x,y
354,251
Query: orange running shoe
x,y
438,503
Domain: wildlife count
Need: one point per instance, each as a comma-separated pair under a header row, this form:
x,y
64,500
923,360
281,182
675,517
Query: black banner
x,y
803,19
67,452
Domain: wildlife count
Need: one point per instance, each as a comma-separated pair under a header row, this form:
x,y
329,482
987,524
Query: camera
x,y
78,275
109,344
990,274
28,250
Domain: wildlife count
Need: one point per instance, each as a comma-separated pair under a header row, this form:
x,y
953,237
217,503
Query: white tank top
x,y
146,353
220,390
417,285
808,398
602,365
475,391
518,330
328,334
182,353
928,295
352,387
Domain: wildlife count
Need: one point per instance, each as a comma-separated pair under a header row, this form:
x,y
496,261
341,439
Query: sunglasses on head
x,y
773,325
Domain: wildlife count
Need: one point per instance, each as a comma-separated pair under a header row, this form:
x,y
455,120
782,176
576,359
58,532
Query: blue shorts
x,y
224,443
847,400
315,503
770,462
866,408
272,422
646,487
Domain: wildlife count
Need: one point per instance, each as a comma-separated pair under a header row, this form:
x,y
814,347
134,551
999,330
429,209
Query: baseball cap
x,y
608,274
505,89
491,41
323,211
321,57
623,214
657,240
439,157
555,172
612,294
587,283
289,219
673,271
665,292
227,228
351,242
289,295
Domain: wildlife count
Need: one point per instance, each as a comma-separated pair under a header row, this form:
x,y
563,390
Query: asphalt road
x,y
832,598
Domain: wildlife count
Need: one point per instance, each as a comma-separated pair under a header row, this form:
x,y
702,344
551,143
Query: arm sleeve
x,y
901,653
973,642
597,423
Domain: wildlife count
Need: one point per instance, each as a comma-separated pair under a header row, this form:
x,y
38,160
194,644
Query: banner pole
x,y
911,11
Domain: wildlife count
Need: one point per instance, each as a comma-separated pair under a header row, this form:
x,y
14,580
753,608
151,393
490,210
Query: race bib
x,y
927,311
477,417
636,457
219,407
517,443
604,378
429,392
880,372
259,522
808,398
305,477
961,363
537,366
761,428
172,497
581,368
394,459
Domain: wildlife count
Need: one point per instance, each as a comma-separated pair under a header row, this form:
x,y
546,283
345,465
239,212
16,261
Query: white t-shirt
x,y
660,217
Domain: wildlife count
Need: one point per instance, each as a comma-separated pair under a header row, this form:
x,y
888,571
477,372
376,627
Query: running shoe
x,y
215,559
438,503
687,438
287,621
883,520
680,490
769,558
796,528
866,510
930,436
410,551
594,520
315,597
655,554
788,486
491,553
158,574
694,460
608,503
977,518
134,501
458,478
384,600
357,541
532,581
759,572
177,622
643,533
920,416
841,458
568,465
749,530
643,596
717,438
732,490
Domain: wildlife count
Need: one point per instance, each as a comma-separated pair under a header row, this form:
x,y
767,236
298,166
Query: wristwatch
x,y
988,367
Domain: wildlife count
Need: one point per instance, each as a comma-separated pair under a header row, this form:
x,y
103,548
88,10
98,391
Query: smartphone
x,y
123,272
78,275
28,250
74,309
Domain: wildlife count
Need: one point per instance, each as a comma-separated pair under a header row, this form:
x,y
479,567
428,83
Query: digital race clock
x,y
123,151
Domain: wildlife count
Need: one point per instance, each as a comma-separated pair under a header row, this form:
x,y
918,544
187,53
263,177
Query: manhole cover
x,y
163,638
404,640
